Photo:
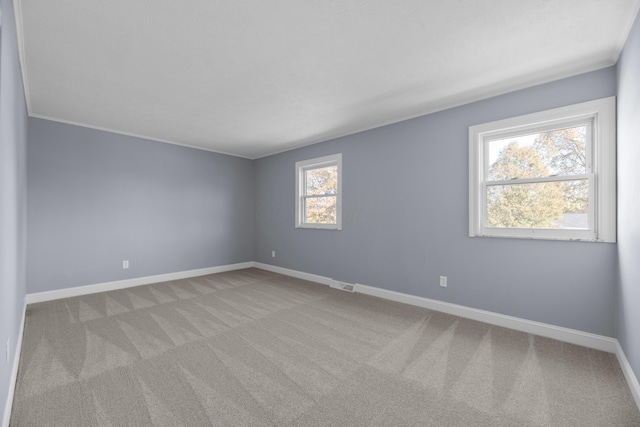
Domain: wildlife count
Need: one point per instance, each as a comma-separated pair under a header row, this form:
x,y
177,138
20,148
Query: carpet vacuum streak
x,y
254,348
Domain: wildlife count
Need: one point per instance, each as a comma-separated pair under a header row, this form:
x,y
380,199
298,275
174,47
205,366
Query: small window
x,y
547,175
319,193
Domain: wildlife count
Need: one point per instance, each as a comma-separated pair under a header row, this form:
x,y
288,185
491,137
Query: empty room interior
x,y
320,213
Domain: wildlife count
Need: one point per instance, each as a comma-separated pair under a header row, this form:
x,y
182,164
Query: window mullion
x,y
317,196
537,180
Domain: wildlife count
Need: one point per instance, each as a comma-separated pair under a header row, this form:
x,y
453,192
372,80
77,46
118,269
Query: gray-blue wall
x,y
97,198
13,188
405,198
628,328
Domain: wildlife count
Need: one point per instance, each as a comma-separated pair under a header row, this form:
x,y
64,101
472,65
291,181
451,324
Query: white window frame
x,y
317,163
601,176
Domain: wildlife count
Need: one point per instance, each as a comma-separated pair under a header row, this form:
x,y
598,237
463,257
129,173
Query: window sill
x,y
543,237
319,227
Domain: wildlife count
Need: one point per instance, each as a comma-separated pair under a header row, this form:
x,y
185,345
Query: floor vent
x,y
342,286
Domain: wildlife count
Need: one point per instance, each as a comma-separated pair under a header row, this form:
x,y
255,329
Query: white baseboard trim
x,y
572,336
128,283
293,273
585,339
598,342
14,371
629,375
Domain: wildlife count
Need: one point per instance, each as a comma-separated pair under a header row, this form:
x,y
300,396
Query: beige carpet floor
x,y
253,348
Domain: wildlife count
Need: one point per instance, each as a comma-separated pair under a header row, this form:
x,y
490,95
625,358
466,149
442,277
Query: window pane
x,y
558,205
320,210
321,180
554,152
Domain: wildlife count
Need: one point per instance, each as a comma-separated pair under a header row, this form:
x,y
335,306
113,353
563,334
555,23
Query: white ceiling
x,y
251,78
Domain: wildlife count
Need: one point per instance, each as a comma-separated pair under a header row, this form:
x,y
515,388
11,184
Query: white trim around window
x,y
303,196
598,117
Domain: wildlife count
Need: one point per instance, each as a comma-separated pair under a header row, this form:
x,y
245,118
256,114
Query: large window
x,y
547,175
319,193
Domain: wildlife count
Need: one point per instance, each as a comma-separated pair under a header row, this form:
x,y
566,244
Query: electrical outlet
x,y
125,264
443,281
273,254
